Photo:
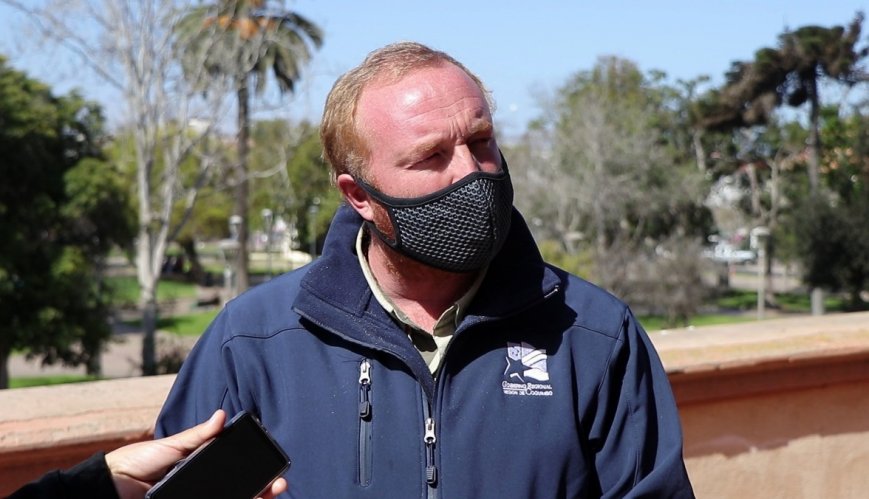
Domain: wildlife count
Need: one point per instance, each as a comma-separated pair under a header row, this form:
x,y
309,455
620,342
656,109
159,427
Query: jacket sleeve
x,y
89,479
201,386
636,435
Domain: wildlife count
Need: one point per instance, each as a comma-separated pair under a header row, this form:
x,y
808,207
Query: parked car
x,y
726,253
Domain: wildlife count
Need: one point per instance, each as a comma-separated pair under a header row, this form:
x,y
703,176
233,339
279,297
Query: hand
x,y
137,467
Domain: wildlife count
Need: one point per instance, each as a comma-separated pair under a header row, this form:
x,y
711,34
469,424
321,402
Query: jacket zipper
x,y
429,438
364,423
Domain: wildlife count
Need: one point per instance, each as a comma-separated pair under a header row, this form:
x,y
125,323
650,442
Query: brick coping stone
x,y
745,343
126,408
70,414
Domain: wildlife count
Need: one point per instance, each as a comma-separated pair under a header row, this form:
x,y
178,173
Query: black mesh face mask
x,y
459,228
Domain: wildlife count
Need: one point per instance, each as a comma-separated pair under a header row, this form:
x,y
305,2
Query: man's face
x,y
426,131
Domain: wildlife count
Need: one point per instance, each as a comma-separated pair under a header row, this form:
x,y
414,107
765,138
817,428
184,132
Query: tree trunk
x,y
149,326
242,277
148,258
197,272
769,297
814,143
751,171
699,152
856,304
4,368
94,365
93,348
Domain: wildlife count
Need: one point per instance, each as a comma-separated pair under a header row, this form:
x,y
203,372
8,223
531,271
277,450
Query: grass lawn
x,y
736,301
125,290
50,380
655,323
787,302
188,324
183,324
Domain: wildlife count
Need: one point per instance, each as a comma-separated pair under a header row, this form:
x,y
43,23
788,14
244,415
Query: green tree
x,y
60,213
760,164
207,221
310,184
833,244
831,236
128,44
291,178
790,74
603,174
246,41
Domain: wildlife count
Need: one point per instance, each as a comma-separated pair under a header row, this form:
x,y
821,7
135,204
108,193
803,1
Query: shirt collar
x,y
449,319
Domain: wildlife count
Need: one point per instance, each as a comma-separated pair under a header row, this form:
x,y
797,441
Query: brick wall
x,y
769,409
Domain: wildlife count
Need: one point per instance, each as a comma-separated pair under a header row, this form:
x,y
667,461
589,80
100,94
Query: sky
x,y
520,49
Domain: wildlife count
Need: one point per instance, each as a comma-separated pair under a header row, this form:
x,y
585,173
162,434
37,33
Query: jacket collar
x,y
336,296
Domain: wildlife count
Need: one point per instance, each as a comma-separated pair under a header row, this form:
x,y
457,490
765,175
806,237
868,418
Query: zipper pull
x,y
431,471
364,372
364,387
429,437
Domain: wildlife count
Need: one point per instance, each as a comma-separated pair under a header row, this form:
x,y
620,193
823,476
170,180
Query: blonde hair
x,y
343,140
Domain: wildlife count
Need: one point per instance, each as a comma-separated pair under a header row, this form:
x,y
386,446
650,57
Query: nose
x,y
463,162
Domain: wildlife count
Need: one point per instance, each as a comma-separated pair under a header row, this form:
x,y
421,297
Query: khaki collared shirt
x,y
430,345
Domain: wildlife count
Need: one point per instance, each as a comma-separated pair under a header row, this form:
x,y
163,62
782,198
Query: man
x,y
129,471
430,352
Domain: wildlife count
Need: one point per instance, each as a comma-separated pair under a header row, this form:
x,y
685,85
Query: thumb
x,y
191,438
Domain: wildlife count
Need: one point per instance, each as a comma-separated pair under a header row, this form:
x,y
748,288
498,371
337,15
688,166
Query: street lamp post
x,y
234,224
228,253
229,249
268,219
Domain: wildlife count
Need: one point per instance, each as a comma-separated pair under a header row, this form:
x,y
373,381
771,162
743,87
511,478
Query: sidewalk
x,y
121,359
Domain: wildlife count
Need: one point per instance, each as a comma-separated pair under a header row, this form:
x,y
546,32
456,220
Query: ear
x,y
355,196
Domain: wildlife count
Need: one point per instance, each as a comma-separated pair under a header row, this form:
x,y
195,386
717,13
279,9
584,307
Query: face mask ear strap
x,y
378,197
383,237
368,188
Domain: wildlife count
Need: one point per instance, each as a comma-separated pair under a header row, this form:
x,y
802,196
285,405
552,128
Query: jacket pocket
x,y
365,415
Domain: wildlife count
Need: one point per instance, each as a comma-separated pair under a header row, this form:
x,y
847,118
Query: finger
x,y
278,487
191,438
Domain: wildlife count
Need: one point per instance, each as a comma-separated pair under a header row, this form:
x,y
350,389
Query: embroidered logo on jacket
x,y
526,372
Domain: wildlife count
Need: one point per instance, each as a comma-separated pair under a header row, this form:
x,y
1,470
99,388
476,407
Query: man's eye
x,y
426,160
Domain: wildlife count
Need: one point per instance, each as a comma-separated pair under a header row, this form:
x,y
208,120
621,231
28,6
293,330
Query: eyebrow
x,y
482,126
479,126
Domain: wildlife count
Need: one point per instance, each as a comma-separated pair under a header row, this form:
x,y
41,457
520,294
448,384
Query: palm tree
x,y
246,41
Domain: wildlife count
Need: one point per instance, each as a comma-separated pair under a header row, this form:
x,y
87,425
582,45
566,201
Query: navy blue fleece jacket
x,y
549,388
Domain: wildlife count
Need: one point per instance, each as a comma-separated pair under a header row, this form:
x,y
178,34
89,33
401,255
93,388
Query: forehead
x,y
421,94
